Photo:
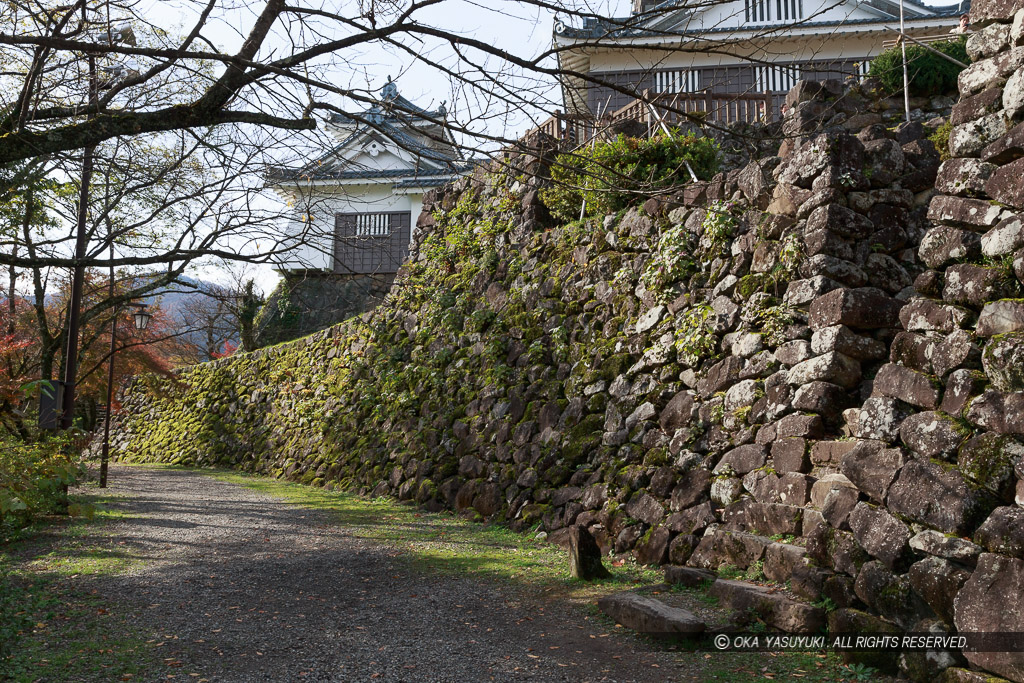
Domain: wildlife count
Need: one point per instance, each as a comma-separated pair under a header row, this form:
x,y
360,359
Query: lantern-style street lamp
x,y
141,317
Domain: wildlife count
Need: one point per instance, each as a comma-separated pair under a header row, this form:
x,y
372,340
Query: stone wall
x,y
938,454
309,302
760,372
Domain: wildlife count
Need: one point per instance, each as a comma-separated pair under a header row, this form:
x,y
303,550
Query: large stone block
x,y
769,519
937,581
943,245
1006,186
856,622
873,468
972,214
909,386
956,350
839,220
963,177
925,315
1005,238
939,497
887,273
1006,148
988,42
880,534
970,139
743,459
952,548
824,398
1003,532
998,411
781,560
830,453
1003,361
645,507
790,455
973,286
880,418
825,242
678,412
692,488
1000,317
837,506
913,351
990,603
830,367
885,161
1013,94
803,426
776,609
800,292
737,548
720,376
865,308
645,614
933,434
985,12
981,74
989,459
832,268
890,595
793,352
961,386
968,109
692,520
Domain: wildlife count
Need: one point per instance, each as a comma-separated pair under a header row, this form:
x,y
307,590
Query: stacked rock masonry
x,y
808,368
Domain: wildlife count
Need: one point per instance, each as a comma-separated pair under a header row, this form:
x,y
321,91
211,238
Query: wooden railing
x,y
718,108
653,110
570,130
941,38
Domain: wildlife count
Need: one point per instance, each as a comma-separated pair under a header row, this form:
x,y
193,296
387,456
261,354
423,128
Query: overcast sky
x,y
519,28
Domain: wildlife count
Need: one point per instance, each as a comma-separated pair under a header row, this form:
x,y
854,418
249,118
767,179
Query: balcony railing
x,y
655,110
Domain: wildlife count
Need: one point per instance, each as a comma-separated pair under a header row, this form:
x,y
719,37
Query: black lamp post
x,y
141,317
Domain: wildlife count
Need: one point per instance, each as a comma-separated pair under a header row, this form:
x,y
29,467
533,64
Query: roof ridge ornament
x,y
389,93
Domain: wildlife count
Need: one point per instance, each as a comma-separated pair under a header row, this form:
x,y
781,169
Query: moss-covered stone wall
x,y
747,372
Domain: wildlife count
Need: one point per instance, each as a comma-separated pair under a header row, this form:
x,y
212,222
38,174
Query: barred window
x,y
679,80
373,224
776,78
772,11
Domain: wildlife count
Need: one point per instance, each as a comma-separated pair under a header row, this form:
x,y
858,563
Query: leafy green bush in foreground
x,y
929,73
34,477
610,175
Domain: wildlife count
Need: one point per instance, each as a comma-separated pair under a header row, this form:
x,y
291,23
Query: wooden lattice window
x,y
371,242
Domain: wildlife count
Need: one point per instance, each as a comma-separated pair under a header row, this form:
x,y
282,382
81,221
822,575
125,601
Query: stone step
x,y
777,609
648,615
690,577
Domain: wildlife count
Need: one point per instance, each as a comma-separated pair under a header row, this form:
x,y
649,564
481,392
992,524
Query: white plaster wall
x,y
829,44
313,241
731,15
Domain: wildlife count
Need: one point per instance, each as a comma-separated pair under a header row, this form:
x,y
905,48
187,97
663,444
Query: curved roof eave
x,y
731,33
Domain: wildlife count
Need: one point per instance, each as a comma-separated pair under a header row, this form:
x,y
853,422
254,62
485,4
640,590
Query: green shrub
x,y
34,477
940,138
929,73
611,175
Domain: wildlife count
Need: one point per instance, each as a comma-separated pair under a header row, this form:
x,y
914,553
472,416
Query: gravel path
x,y
239,586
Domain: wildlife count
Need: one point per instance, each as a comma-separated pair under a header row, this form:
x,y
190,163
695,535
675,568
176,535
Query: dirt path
x,y
238,586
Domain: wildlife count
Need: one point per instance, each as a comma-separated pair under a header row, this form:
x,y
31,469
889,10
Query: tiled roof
x,y
408,175
394,119
629,27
